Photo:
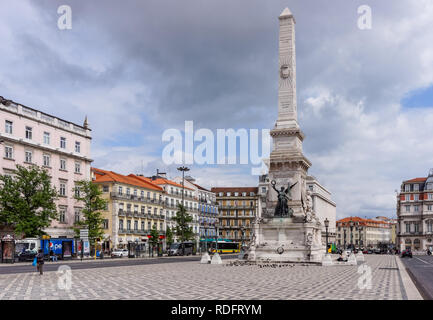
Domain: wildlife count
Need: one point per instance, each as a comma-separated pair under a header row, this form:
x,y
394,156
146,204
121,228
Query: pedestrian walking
x,y
40,262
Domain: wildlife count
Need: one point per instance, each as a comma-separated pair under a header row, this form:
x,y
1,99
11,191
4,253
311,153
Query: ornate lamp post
x,y
183,169
326,227
351,224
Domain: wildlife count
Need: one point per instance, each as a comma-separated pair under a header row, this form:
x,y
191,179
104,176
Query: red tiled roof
x,y
158,181
416,180
361,221
110,176
235,189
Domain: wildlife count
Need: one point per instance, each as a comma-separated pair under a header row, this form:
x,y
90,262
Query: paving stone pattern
x,y
191,280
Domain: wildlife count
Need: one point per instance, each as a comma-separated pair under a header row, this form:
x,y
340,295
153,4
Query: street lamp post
x,y
183,169
326,227
351,234
344,238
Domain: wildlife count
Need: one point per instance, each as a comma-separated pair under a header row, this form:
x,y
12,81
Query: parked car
x,y
119,253
27,255
376,250
406,253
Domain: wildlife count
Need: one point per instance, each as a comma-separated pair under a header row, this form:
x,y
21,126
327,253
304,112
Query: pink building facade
x,y
29,136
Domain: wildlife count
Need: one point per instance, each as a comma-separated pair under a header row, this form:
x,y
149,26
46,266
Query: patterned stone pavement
x,y
191,280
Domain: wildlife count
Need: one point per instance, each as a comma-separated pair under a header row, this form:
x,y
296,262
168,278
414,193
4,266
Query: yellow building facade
x,y
238,207
133,208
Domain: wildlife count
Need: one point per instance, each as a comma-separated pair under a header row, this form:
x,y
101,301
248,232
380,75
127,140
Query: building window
x,y
416,196
77,192
47,160
62,215
407,197
8,127
407,208
9,152
429,207
28,156
62,190
142,193
429,226
135,225
121,224
46,138
105,188
128,192
136,208
407,228
77,167
407,188
63,142
128,225
62,164
416,187
29,133
77,215
416,227
142,225
416,208
120,190
105,224
77,146
135,192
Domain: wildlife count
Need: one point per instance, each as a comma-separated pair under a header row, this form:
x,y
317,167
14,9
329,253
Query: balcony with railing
x,y
124,196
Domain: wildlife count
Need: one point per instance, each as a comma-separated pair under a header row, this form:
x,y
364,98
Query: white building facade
x,y
207,208
61,147
415,214
323,207
173,196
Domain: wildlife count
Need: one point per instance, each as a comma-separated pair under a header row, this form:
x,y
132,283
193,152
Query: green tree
x,y
182,219
154,237
27,201
169,236
90,195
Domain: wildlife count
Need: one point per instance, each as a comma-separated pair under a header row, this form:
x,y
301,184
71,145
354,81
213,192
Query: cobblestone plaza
x,y
191,280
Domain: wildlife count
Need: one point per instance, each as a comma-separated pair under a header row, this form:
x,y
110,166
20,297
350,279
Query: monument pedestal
x,y
284,240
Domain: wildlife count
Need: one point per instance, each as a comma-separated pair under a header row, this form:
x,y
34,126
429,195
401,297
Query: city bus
x,y
225,247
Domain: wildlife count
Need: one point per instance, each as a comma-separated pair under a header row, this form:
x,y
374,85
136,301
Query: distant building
x,y
393,224
173,196
61,147
134,207
238,208
415,214
207,208
363,233
323,207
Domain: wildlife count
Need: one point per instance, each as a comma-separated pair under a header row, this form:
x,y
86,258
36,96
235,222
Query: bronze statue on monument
x,y
284,196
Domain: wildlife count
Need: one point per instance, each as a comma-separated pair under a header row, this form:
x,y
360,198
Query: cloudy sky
x,y
137,68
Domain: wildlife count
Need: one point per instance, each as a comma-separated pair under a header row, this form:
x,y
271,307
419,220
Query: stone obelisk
x,y
295,235
287,161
